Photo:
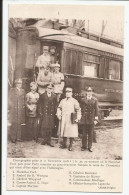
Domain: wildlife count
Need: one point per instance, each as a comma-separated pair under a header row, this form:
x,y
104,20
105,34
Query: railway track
x,y
109,124
103,126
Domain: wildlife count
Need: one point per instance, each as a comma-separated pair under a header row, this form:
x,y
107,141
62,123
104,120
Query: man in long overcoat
x,y
67,129
89,109
47,106
16,109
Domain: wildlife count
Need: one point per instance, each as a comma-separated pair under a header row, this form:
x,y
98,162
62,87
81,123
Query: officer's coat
x,y
16,111
53,58
65,108
47,110
89,109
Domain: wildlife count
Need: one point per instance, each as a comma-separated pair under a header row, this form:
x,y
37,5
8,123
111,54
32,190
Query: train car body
x,y
12,39
84,63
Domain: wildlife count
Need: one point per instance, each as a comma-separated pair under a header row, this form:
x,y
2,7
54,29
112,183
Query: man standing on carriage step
x,y
89,108
44,79
58,81
44,59
47,106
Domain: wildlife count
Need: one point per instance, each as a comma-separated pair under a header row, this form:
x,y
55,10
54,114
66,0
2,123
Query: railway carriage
x,y
84,62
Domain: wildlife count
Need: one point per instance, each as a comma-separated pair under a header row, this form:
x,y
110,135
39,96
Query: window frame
x,y
98,64
111,59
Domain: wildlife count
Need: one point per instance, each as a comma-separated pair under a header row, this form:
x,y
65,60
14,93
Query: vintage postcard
x,y
64,124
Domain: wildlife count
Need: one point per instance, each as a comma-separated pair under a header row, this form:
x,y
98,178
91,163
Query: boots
x,y
71,142
64,143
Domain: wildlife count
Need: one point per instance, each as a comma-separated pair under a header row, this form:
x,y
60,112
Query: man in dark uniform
x,y
46,110
53,56
16,109
89,108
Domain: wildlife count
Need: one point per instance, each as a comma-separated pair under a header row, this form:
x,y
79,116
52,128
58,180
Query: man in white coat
x,y
43,60
68,129
58,81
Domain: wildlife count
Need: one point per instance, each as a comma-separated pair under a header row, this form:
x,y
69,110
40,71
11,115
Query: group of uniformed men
x,y
44,108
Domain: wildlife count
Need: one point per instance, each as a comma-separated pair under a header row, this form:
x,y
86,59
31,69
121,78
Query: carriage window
x,y
114,70
91,65
91,58
90,69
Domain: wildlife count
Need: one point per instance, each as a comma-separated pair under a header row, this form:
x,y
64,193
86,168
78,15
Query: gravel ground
x,y
108,146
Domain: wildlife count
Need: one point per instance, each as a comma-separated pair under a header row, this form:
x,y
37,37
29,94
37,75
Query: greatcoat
x,y
89,109
16,109
64,110
46,110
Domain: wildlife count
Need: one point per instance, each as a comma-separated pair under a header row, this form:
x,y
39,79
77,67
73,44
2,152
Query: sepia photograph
x,y
64,97
65,87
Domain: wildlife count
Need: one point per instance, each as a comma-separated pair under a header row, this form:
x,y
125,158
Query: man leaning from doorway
x,y
44,59
66,107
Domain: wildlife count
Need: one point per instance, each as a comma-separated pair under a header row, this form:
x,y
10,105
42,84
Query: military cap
x,y
89,89
52,65
47,67
68,89
45,47
53,47
57,65
19,80
50,86
32,83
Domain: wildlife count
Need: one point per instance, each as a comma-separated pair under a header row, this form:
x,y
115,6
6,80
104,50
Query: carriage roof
x,y
64,36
